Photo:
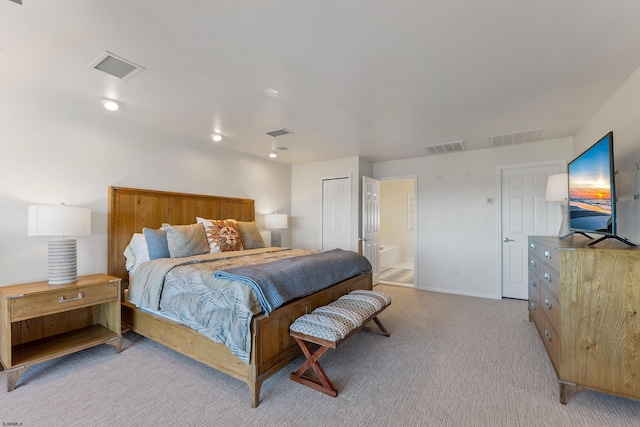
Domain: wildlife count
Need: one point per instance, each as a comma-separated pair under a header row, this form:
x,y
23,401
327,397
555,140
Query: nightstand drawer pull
x,y
547,334
62,299
547,254
547,303
547,277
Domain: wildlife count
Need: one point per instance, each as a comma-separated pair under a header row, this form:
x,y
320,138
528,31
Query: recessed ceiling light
x,y
216,137
111,104
272,92
273,154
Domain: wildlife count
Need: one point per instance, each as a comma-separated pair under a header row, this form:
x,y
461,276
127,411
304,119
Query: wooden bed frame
x,y
272,347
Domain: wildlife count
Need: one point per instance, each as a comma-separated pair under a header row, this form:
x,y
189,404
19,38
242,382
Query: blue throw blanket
x,y
280,281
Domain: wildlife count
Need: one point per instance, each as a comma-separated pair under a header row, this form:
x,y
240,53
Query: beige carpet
x,y
397,275
450,361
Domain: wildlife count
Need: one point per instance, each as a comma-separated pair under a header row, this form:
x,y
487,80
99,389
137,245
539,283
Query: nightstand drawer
x,y
58,300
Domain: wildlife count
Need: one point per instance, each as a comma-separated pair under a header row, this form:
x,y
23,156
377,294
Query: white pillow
x,y
207,223
204,221
136,252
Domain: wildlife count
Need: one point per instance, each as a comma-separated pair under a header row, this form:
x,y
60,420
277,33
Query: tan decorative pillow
x,y
185,240
250,235
223,235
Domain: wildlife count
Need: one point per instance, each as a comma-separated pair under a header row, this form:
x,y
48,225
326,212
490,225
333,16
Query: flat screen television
x,y
592,193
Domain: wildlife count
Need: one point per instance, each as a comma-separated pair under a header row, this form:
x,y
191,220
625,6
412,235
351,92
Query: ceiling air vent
x,y
279,132
514,138
449,147
116,66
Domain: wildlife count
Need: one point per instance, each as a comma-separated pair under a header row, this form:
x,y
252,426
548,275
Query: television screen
x,y
592,189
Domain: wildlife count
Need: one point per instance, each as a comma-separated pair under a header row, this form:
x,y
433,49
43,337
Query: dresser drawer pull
x,y
547,254
532,283
533,306
547,303
547,334
533,246
533,262
62,299
547,277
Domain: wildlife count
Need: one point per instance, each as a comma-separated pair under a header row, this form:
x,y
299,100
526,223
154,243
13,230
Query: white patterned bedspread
x,y
184,289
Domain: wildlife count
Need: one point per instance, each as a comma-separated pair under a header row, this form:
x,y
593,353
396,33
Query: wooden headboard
x,y
131,209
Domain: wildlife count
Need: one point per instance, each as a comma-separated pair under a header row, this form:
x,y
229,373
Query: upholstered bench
x,y
330,325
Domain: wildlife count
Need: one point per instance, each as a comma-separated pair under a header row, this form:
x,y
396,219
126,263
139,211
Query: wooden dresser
x,y
585,303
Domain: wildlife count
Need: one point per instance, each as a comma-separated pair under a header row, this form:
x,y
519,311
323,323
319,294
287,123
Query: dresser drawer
x,y
551,256
550,339
534,292
551,307
546,275
535,248
55,301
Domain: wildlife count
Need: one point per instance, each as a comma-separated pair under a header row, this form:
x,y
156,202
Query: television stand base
x,y
622,239
576,232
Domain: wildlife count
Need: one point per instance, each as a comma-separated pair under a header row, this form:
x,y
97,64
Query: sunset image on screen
x,y
590,189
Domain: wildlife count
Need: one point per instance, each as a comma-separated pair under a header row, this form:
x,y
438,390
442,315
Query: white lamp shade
x,y
276,221
58,220
557,188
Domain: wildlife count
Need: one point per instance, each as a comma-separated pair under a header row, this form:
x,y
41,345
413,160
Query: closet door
x,y
336,214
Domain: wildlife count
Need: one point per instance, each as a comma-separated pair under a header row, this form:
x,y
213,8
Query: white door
x,y
336,214
524,212
371,223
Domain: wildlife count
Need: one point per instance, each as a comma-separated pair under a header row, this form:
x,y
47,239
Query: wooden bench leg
x,y
322,384
383,331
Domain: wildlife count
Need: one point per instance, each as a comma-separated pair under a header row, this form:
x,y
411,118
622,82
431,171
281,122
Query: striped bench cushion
x,y
334,321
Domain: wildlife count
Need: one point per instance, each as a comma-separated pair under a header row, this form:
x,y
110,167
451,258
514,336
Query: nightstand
x,y
39,322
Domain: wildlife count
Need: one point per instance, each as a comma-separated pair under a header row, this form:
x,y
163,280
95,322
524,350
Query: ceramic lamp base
x,y
564,227
62,261
276,239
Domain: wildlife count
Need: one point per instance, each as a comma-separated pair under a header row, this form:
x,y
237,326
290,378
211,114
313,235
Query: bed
x,y
271,348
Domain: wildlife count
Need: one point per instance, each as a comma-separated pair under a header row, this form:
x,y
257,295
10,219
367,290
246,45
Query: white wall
x,y
620,114
456,231
306,198
394,215
49,158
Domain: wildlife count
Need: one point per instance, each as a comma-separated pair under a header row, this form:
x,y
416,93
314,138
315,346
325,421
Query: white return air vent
x,y
279,132
514,138
116,66
449,147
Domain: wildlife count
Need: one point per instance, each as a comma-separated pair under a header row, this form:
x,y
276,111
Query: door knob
x,y
506,239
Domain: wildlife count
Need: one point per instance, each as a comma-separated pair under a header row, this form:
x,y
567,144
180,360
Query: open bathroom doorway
x,y
398,231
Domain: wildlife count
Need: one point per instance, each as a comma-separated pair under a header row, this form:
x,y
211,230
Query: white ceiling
x,y
371,78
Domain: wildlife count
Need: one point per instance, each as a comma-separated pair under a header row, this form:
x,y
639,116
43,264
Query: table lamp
x,y
62,221
276,222
558,191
